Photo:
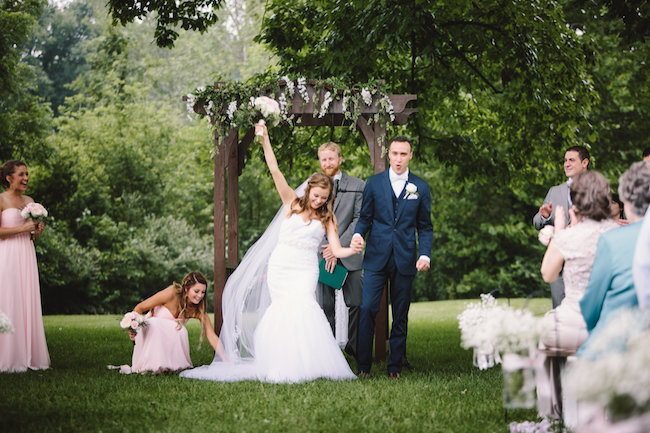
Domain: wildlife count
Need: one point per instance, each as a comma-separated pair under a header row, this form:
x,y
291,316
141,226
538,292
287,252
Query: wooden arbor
x,y
229,163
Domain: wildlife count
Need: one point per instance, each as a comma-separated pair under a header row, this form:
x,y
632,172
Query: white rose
x,y
411,188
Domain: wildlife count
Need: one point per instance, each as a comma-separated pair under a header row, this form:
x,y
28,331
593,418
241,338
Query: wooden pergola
x,y
229,163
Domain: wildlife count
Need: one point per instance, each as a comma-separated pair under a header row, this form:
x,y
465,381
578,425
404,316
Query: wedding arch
x,y
312,103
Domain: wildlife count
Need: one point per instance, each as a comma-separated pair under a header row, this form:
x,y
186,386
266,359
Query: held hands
x,y
422,265
357,244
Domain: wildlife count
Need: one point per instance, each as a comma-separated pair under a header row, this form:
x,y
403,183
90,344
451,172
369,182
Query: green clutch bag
x,y
334,279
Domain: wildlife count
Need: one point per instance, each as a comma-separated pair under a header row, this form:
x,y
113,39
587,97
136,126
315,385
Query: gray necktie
x,y
336,187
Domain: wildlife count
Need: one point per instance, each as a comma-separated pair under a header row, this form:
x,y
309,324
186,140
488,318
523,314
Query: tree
x,y
24,117
189,14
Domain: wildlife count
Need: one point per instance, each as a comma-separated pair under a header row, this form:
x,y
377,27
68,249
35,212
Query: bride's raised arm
x,y
287,194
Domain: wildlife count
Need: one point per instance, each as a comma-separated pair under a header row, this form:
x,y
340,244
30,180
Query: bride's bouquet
x,y
132,321
6,327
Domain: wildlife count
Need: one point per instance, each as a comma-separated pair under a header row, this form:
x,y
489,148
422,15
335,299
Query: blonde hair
x,y
191,311
330,145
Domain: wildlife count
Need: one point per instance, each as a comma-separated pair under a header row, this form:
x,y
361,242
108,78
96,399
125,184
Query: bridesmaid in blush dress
x,y
20,297
163,345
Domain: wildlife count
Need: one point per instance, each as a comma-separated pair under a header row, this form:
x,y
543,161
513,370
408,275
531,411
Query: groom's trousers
x,y
400,299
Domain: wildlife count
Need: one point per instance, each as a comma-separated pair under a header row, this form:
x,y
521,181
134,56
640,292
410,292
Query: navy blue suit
x,y
390,224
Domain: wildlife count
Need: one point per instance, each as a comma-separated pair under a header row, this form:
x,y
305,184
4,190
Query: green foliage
x,y
24,118
189,15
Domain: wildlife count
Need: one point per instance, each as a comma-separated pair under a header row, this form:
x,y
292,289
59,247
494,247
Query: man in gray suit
x,y
576,160
348,192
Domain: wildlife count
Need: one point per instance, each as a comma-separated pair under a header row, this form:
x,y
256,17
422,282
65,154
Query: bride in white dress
x,y
289,340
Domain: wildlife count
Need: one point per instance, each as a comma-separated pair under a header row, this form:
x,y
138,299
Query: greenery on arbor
x,y
503,88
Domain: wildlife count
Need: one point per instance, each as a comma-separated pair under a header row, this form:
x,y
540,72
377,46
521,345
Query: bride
x,y
289,340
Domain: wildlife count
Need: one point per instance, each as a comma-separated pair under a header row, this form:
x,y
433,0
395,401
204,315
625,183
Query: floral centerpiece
x,y
133,321
502,334
614,373
6,327
473,333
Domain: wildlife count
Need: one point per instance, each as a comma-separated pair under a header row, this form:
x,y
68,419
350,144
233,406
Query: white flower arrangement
x,y
366,96
6,327
496,329
302,89
471,323
230,104
133,321
325,104
614,373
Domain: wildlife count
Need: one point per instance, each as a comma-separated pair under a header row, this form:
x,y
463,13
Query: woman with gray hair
x,y
611,285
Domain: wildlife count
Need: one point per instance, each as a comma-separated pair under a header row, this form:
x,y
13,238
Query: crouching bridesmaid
x,y
162,343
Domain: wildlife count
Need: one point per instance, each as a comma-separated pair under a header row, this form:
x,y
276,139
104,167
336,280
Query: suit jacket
x,y
558,195
347,206
388,233
611,285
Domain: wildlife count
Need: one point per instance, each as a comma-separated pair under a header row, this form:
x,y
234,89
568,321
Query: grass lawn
x,y
79,394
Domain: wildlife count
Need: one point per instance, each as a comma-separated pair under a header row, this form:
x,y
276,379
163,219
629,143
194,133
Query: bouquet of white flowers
x,y
613,372
474,334
6,327
132,321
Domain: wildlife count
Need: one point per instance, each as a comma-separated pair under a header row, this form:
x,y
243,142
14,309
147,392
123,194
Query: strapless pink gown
x,y
20,300
162,345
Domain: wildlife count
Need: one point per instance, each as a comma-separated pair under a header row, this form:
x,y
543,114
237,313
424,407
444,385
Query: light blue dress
x,y
611,285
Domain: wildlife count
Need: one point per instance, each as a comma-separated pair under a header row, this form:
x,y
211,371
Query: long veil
x,y
245,299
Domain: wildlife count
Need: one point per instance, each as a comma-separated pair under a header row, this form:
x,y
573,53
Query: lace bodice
x,y
295,232
578,246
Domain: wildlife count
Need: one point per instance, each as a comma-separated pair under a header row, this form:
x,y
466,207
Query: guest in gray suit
x,y
348,192
576,160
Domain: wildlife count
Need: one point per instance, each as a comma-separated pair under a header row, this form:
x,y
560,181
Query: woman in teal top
x,y
611,285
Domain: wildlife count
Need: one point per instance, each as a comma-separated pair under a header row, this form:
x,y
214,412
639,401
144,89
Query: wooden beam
x,y
219,230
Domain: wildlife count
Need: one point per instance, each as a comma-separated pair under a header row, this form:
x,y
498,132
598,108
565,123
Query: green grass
x,y
79,394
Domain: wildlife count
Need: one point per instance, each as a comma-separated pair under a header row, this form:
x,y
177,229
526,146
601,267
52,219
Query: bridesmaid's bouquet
x,y
133,321
6,327
35,212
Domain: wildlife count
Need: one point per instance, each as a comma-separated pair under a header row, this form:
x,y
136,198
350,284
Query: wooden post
x,y
219,230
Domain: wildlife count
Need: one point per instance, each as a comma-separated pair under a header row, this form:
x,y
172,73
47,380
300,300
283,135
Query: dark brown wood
x,y
233,201
219,231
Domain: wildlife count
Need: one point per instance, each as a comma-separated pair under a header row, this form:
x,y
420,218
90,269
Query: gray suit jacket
x,y
559,196
347,206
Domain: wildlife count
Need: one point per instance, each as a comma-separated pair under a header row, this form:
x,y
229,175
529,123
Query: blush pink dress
x,y
162,345
20,300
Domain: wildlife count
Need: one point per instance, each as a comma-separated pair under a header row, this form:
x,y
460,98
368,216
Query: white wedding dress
x,y
292,339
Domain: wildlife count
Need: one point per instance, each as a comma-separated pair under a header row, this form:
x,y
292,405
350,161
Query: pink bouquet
x,y
132,321
34,211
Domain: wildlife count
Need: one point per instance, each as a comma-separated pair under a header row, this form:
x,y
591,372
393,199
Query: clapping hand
x,y
560,219
546,210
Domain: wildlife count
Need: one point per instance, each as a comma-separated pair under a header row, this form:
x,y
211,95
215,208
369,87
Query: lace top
x,y
300,234
578,246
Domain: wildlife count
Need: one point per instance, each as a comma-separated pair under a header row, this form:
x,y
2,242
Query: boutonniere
x,y
411,191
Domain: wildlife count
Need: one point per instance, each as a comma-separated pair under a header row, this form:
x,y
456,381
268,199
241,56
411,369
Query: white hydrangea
x,y
366,96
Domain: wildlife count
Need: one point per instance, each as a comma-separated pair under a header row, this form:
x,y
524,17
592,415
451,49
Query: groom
x,y
396,205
